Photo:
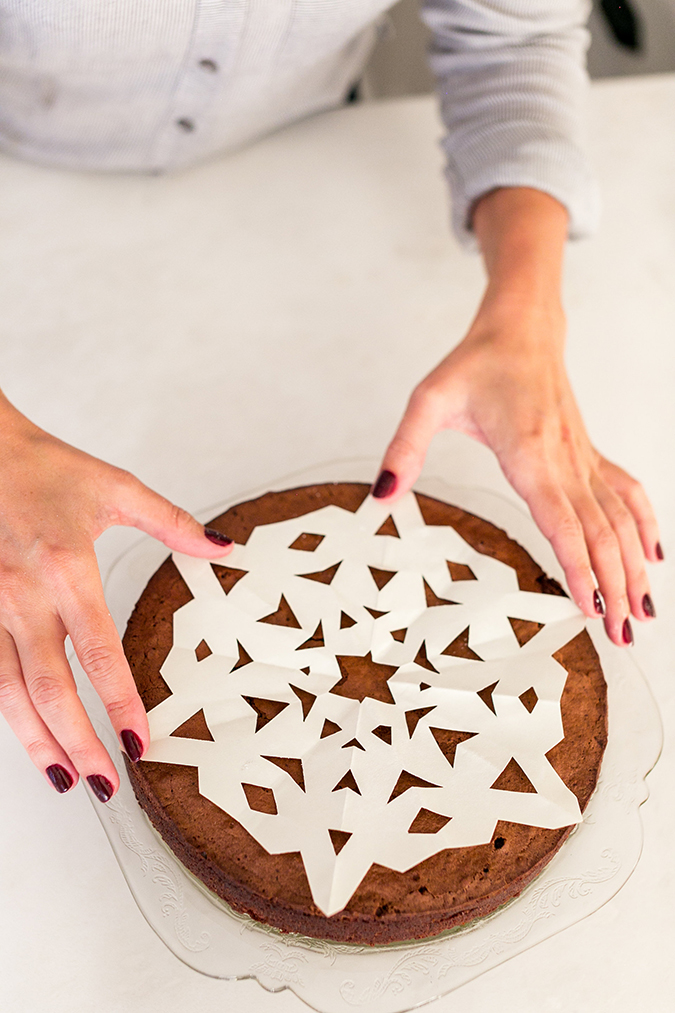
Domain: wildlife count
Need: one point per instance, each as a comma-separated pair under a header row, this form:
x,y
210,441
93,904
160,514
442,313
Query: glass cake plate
x,y
593,864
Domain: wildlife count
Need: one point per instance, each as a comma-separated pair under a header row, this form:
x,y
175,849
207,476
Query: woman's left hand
x,y
506,386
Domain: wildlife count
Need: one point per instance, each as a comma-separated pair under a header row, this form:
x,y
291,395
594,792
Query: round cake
x,y
353,759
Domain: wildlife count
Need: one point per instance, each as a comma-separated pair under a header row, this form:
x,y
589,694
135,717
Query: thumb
x,y
404,458
140,507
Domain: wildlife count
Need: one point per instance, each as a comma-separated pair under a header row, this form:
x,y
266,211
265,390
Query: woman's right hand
x,y
54,502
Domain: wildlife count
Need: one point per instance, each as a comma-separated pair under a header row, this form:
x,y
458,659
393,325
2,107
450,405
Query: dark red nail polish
x,y
216,537
659,551
627,632
648,606
132,745
598,603
101,787
385,484
60,778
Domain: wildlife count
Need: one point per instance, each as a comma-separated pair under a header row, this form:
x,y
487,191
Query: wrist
x,y
519,326
522,234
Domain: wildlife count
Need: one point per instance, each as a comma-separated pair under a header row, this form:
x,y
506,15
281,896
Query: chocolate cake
x,y
448,888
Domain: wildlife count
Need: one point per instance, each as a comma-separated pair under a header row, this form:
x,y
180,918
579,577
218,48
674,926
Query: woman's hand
x,y
54,502
506,385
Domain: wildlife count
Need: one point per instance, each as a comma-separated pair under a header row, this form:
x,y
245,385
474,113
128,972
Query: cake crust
x,y
448,889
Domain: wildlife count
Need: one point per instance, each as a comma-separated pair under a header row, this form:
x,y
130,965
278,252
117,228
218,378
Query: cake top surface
x,y
362,691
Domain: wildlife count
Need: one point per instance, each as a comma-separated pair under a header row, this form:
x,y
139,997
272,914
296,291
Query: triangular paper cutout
x,y
348,781
422,660
306,698
460,571
203,651
525,629
322,576
432,598
292,765
413,718
459,648
194,728
448,739
428,822
375,614
486,696
329,728
266,710
284,616
260,799
227,576
383,732
338,839
424,685
346,621
514,778
305,670
307,542
399,635
381,577
529,699
407,780
388,528
244,658
316,640
353,743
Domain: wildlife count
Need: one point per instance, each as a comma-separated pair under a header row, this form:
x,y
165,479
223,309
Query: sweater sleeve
x,y
513,88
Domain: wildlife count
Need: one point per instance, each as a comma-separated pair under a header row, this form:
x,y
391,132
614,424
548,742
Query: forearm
x,y
521,232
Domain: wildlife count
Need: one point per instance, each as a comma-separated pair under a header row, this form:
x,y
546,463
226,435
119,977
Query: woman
x,y
146,86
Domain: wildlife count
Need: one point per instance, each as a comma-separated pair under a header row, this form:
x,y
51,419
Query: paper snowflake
x,y
308,756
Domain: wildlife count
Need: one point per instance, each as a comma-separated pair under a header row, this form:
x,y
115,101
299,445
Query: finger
x,y
405,454
635,498
51,687
607,562
140,507
625,527
97,644
556,518
29,728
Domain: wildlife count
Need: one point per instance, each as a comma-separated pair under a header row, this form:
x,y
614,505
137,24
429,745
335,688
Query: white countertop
x,y
214,330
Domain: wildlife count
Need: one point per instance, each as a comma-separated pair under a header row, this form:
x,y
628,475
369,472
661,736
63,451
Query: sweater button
x,y
186,125
209,65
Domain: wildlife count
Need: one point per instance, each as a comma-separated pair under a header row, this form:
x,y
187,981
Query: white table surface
x,y
216,329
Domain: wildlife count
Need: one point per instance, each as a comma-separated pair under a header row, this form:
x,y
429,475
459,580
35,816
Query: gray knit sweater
x,y
152,85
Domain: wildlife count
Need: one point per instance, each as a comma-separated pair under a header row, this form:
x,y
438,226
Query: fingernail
x,y
385,484
627,632
648,606
132,745
659,551
101,787
599,603
217,537
60,778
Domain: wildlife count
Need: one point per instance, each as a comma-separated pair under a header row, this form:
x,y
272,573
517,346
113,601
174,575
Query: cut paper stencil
x,y
348,763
